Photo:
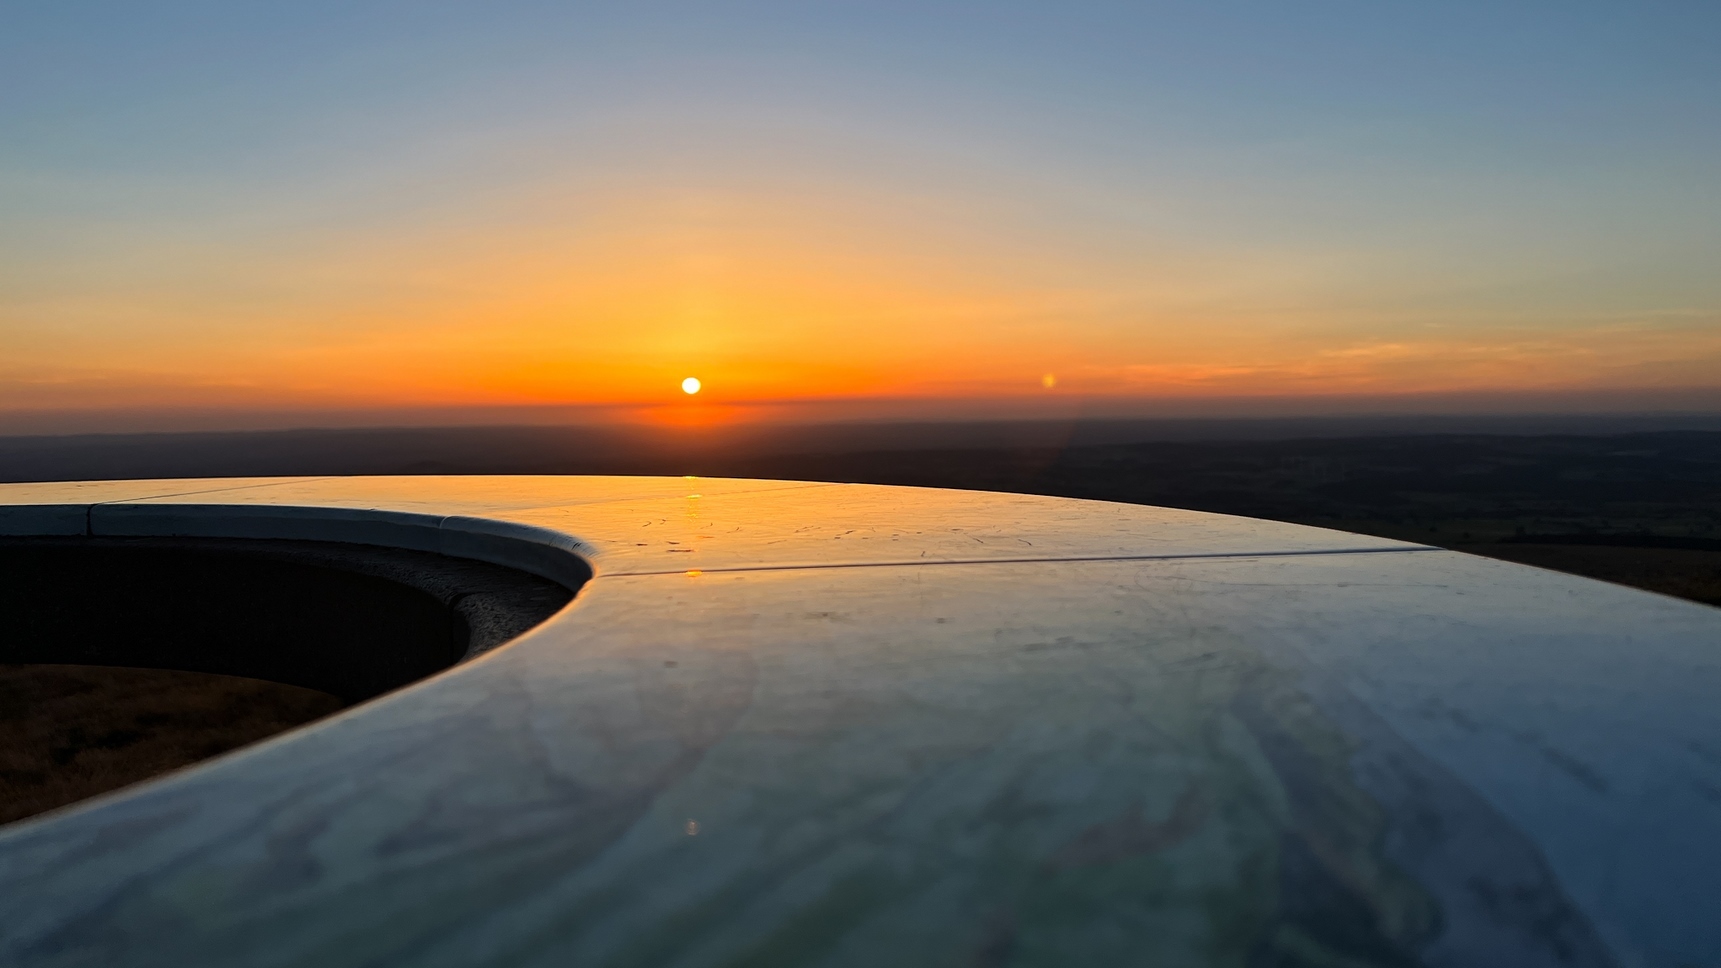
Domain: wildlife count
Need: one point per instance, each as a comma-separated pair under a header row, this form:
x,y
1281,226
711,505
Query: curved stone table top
x,y
813,724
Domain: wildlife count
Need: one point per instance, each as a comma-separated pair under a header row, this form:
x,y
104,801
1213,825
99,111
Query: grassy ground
x,y
1680,572
69,732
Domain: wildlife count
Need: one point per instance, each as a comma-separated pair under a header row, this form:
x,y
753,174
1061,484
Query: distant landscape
x,y
1603,497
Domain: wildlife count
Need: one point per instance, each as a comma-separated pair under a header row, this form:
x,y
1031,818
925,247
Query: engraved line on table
x,y
1202,555
90,509
153,497
510,509
211,490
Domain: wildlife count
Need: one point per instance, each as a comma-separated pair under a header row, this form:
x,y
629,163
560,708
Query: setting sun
x,y
690,385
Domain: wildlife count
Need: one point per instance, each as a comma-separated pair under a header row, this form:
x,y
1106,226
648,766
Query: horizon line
x,y
698,415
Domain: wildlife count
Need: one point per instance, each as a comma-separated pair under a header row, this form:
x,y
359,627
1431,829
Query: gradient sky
x,y
247,206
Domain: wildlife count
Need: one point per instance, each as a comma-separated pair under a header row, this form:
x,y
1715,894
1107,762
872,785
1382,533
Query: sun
x,y
690,385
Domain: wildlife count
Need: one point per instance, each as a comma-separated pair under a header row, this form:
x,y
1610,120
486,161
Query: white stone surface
x,y
795,723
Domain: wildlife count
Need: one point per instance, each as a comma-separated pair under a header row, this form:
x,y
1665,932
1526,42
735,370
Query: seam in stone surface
x,y
1029,561
210,490
796,486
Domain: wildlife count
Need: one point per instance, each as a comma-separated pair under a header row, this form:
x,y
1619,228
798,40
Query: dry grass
x,y
1682,573
68,732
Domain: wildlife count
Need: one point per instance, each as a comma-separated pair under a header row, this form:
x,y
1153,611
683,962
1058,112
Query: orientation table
x,y
825,724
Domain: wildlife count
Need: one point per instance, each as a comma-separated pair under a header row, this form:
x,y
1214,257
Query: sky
x,y
238,208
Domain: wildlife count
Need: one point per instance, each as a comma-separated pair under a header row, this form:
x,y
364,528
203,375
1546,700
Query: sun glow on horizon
x,y
690,386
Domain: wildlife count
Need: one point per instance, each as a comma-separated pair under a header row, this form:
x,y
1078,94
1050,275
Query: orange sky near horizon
x,y
770,299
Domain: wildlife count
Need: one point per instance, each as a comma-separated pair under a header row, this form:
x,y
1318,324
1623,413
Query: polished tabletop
x,y
814,724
